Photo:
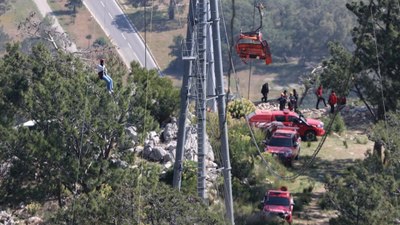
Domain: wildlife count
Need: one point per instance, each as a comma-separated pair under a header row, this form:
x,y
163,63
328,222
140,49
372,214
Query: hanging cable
x,y
230,50
251,61
233,70
79,154
139,184
381,89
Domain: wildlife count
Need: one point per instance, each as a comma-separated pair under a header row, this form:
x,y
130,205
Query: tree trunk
x,y
303,96
59,194
171,10
361,96
378,151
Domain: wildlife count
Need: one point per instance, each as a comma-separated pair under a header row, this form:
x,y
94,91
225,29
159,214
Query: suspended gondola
x,y
250,45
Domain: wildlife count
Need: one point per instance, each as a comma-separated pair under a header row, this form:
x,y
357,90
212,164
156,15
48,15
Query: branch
x,y
361,96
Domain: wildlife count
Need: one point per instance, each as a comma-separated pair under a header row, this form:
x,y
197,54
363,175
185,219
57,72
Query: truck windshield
x,y
280,142
277,201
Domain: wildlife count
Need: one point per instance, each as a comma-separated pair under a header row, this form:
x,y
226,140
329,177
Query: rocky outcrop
x,y
6,218
161,146
15,218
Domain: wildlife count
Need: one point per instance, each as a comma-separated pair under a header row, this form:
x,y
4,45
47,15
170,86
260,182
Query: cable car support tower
x,y
203,81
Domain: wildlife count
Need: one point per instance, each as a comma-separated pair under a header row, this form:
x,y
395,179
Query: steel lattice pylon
x,y
202,58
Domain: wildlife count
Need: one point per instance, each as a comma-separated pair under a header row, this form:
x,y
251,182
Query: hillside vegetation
x,y
62,169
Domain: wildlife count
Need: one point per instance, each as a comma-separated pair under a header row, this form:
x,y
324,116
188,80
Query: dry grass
x,y
80,26
20,9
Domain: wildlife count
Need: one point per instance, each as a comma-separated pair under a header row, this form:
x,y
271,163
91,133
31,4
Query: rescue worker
x,y
319,96
292,102
296,97
102,72
282,100
341,102
332,100
264,92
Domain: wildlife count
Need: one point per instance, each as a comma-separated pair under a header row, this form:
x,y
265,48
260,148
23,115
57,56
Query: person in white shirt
x,y
102,72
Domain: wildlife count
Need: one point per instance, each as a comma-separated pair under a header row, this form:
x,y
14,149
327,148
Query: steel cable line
x,y
230,48
80,154
306,165
139,184
381,87
251,61
231,64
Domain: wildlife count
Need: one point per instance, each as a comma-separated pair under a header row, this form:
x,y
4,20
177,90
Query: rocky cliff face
x,y
161,147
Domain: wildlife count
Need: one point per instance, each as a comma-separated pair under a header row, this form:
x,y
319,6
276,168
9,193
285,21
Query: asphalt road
x,y
122,34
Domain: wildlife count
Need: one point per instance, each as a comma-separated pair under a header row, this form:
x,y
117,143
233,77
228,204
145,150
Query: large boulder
x,y
132,135
170,131
6,218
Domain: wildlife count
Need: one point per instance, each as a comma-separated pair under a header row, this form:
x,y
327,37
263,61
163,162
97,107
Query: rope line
x,y
139,184
231,64
230,44
381,90
79,156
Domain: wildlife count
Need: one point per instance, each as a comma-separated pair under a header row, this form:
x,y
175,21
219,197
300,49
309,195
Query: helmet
x,y
101,60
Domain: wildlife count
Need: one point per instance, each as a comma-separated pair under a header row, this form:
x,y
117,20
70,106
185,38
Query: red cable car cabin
x,y
251,46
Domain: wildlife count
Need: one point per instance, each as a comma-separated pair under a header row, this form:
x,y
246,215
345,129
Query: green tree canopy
x,y
78,126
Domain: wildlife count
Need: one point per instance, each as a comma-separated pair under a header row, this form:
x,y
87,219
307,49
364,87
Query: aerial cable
x,y
230,49
381,89
251,61
231,64
79,154
258,6
307,164
139,183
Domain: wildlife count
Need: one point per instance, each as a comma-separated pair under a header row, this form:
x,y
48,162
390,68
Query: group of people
x,y
293,98
333,99
290,100
284,99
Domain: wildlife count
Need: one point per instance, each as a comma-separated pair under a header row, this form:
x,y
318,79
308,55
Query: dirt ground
x,y
337,153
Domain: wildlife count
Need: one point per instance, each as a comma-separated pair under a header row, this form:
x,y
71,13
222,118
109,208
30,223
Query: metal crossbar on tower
x,y
198,69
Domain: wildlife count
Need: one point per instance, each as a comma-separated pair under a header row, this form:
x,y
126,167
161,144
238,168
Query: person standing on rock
x,y
332,101
282,100
319,96
341,102
296,97
292,102
264,92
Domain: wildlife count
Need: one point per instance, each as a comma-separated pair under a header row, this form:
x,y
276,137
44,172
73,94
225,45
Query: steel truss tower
x,y
201,53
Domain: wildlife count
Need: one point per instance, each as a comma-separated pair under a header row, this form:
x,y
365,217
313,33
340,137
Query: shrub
x,y
240,108
101,41
362,140
324,203
338,125
33,207
303,198
345,144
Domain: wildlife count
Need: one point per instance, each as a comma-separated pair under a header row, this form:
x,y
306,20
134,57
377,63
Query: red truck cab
x,y
278,203
285,143
308,128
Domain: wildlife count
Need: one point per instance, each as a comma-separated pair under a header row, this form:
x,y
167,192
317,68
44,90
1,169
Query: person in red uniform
x,y
319,96
332,101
